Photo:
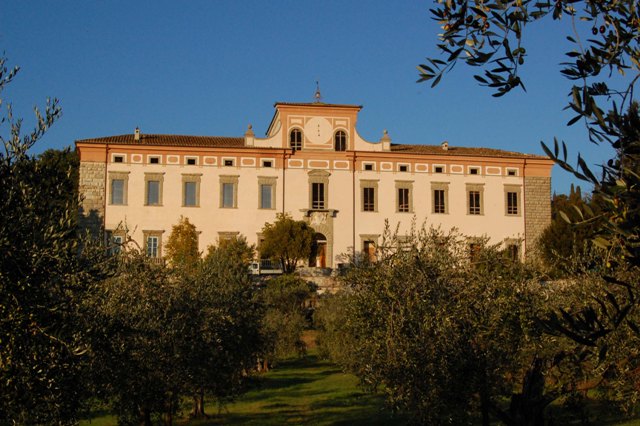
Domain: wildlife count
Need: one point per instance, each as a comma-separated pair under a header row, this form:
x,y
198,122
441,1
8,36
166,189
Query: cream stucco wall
x,y
343,218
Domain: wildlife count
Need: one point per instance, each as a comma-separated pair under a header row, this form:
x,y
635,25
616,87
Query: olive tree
x,y
284,319
44,274
224,325
443,335
490,35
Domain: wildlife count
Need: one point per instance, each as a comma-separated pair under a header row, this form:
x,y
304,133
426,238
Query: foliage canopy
x,y
287,240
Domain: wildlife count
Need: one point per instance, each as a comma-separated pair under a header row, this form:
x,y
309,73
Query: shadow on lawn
x,y
305,391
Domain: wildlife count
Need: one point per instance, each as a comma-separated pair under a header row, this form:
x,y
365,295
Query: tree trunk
x,y
484,408
527,408
198,404
145,416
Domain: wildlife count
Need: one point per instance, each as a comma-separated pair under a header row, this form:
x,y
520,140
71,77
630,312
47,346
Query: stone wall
x,y
537,209
92,196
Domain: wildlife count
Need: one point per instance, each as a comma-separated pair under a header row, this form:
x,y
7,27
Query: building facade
x,y
313,165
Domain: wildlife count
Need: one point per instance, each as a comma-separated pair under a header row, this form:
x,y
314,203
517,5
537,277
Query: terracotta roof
x,y
317,104
459,151
238,142
170,140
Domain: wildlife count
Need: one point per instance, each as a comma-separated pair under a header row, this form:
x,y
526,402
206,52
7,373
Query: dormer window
x,y
340,141
295,140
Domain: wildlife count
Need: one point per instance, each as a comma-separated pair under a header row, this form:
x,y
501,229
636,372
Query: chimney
x,y
249,136
445,146
136,134
386,141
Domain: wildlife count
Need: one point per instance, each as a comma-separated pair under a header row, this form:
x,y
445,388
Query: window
x,y
369,250
438,201
440,192
403,197
340,141
295,140
475,193
403,200
512,200
225,237
474,202
115,241
228,191
369,244
153,244
368,167
267,163
368,189
228,200
153,189
369,199
474,171
512,203
438,169
318,189
513,251
189,194
118,183
317,195
403,168
153,193
191,161
154,160
191,190
267,193
117,191
512,172
228,162
474,251
118,159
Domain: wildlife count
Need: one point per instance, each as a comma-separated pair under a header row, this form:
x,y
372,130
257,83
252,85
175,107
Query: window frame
x,y
508,207
475,189
365,238
297,144
364,185
195,179
444,187
119,176
233,181
267,181
157,234
340,141
319,177
153,177
509,244
400,187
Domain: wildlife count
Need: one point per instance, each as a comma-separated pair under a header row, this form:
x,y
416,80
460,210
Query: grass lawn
x,y
299,391
304,391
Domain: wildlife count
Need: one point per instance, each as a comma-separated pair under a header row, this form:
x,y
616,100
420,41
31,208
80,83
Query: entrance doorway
x,y
318,256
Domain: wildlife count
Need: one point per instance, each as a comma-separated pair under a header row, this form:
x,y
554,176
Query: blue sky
x,y
213,67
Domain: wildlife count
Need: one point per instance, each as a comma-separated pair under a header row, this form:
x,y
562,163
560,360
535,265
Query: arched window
x,y
340,141
295,140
